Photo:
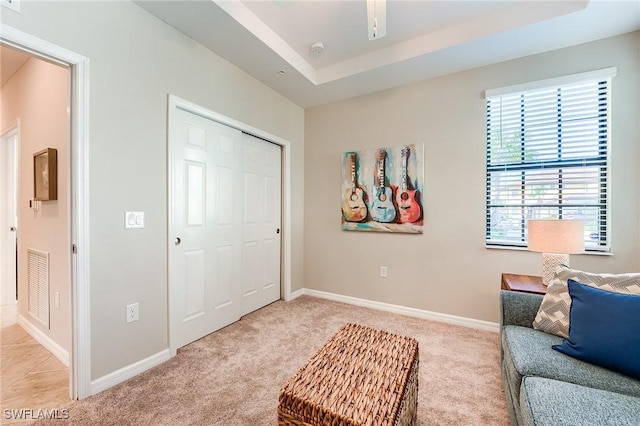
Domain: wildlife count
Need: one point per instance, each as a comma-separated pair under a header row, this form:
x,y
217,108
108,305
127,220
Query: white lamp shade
x,y
556,236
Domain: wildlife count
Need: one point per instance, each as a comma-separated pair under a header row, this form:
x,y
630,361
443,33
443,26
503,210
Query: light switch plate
x,y
133,220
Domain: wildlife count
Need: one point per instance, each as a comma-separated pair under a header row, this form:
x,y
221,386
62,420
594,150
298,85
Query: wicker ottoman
x,y
361,376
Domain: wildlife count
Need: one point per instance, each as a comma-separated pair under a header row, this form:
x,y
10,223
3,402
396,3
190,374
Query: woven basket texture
x,y
361,376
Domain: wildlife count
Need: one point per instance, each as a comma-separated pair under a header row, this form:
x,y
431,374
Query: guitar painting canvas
x,y
354,208
382,189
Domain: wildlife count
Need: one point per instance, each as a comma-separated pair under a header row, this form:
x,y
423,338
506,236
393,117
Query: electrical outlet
x,y
11,4
383,272
133,312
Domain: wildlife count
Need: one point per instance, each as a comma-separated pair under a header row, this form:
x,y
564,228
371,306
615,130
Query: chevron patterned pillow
x,y
553,315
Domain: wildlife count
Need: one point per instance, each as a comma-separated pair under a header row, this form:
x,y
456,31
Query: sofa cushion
x,y
553,315
546,402
527,352
512,404
604,329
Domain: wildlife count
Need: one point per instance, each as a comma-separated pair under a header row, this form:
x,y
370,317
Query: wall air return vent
x,y
38,289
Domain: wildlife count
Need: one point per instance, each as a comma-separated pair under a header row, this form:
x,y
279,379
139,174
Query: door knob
x,y
177,241
278,231
12,229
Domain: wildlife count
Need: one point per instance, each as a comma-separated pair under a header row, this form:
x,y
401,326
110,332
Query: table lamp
x,y
556,239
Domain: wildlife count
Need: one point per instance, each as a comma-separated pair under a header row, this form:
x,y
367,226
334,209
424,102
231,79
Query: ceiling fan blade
x,y
376,19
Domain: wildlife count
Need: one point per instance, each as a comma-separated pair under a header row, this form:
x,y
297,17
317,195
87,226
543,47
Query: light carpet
x,y
233,376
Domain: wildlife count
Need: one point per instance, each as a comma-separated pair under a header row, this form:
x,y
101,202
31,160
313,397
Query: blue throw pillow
x,y
604,329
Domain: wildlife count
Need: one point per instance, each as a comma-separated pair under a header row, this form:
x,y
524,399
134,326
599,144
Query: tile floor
x,y
31,377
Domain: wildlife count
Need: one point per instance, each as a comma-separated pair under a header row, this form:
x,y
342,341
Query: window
x,y
548,157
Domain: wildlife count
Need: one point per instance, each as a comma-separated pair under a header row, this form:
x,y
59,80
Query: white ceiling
x,y
425,38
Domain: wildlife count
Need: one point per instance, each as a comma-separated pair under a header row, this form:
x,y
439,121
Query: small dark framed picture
x,y
45,175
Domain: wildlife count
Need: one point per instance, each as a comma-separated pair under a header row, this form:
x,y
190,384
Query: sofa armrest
x,y
517,308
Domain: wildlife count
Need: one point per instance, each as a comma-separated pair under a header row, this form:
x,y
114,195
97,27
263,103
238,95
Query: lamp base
x,y
550,261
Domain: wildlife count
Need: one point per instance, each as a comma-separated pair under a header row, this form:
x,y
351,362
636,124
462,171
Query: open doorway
x,y
36,241
80,355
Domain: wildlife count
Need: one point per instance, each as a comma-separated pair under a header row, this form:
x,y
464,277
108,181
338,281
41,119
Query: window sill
x,y
514,248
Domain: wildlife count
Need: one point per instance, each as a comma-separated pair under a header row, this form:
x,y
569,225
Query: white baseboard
x,y
8,314
403,310
125,373
296,294
58,351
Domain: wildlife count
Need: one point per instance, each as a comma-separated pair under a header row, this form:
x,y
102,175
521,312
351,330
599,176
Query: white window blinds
x,y
547,157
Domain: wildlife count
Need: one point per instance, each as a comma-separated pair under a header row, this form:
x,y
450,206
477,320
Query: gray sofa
x,y
546,387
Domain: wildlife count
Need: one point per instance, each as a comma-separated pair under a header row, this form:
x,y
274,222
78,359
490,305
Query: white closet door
x,y
261,225
205,255
224,220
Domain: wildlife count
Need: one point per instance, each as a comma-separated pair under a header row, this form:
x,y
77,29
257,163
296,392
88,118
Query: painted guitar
x,y
382,208
354,208
409,209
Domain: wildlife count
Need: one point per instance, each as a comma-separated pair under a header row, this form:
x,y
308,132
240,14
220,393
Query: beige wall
x,y
38,95
448,269
135,61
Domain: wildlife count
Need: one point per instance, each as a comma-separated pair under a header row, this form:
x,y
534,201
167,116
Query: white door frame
x,y
80,365
174,103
